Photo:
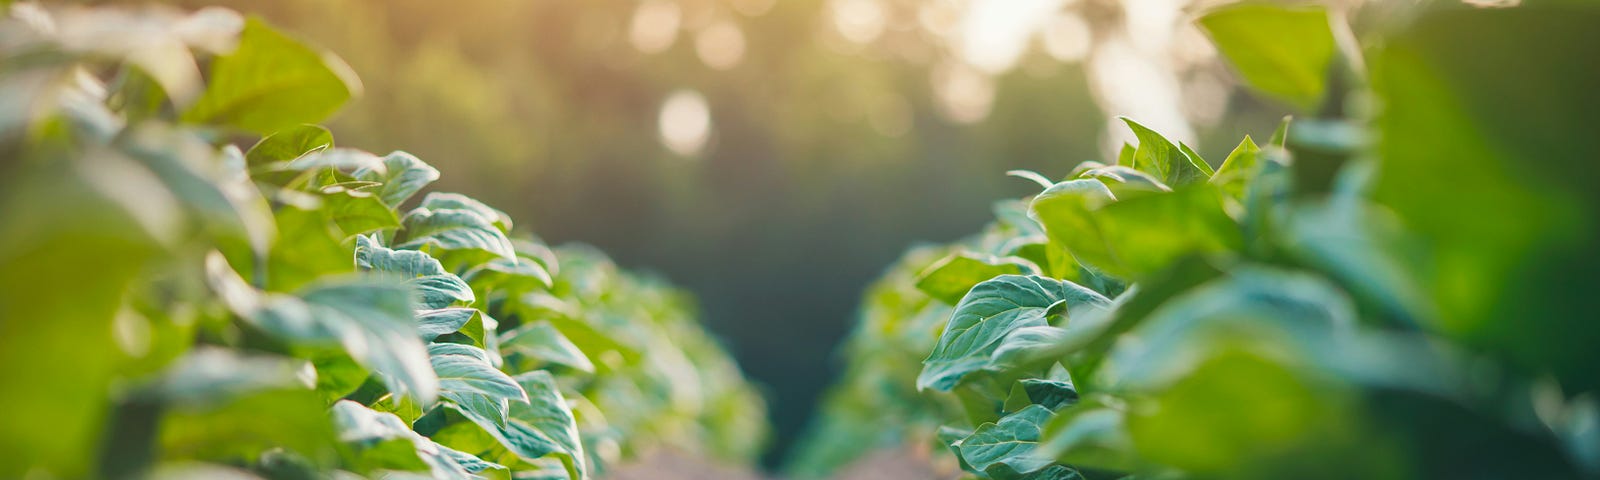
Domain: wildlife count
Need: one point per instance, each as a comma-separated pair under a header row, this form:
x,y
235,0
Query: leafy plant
x,y
1320,306
175,305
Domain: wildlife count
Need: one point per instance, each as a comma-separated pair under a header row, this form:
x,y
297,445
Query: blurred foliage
x,y
172,305
1397,285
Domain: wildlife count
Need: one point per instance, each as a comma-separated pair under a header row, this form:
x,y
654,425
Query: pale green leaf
x,y
991,311
271,82
1282,51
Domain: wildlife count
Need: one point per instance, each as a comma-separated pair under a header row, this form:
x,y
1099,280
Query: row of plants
x,y
175,306
1398,285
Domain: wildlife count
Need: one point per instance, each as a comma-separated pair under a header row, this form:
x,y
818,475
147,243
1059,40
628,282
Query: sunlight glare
x,y
685,122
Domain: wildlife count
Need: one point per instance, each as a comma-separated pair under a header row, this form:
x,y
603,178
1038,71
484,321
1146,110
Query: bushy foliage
x,y
1390,288
175,306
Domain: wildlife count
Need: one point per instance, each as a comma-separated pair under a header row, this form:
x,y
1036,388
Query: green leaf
x,y
543,426
1157,156
404,176
951,277
1280,136
383,441
212,375
988,313
456,201
1125,155
1237,170
1090,434
369,317
1004,450
469,380
1135,237
437,287
455,230
1282,51
1052,394
1196,158
538,344
271,82
432,324
1125,181
357,212
509,277
289,144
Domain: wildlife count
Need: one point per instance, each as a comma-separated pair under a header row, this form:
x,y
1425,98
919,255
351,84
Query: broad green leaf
x,y
1028,345
432,324
1284,52
404,176
211,375
1139,236
544,426
456,201
1065,213
369,317
469,380
383,441
357,212
271,82
1125,155
246,426
289,144
1088,435
455,230
1250,306
538,344
1157,156
1047,393
509,277
988,313
1004,450
1238,169
951,277
437,287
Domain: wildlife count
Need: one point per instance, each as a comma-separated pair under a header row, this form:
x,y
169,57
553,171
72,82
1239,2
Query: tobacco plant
x,y
176,306
1390,287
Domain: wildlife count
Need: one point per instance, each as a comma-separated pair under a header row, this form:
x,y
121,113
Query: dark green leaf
x,y
991,311
1004,450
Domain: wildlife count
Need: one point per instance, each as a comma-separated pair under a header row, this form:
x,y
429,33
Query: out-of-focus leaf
x,y
383,442
370,318
1285,52
540,343
951,277
271,82
289,144
988,313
